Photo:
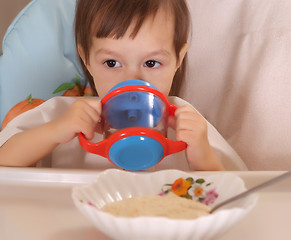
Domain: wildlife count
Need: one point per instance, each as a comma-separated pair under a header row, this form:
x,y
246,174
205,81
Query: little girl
x,y
118,40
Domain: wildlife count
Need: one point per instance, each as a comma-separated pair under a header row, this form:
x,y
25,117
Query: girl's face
x,y
149,56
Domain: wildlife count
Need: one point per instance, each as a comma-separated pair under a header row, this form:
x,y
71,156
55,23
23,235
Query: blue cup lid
x,y
136,152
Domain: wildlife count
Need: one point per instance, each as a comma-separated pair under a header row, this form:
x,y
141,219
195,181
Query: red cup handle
x,y
172,109
96,148
174,146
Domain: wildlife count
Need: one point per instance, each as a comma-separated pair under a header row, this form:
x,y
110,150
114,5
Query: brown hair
x,y
112,18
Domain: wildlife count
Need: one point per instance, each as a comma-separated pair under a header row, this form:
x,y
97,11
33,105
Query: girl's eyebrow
x,y
105,51
160,52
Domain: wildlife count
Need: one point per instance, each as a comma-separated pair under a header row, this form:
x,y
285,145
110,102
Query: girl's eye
x,y
112,63
152,64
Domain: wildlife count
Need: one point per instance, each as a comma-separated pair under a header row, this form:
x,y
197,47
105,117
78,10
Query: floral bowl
x,y
114,185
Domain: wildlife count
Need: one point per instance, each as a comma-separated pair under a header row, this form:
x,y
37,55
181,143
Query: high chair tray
x,y
36,204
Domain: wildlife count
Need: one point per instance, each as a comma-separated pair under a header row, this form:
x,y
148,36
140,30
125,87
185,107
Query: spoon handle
x,y
252,190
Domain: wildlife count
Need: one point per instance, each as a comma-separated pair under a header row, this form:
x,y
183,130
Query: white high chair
x,y
239,76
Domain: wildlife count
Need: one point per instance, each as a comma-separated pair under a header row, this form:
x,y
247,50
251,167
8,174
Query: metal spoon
x,y
252,190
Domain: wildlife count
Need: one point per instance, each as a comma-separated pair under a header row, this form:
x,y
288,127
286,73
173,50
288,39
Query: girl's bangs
x,y
115,22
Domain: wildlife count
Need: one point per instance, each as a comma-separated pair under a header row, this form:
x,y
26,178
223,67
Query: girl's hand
x,y
191,128
82,116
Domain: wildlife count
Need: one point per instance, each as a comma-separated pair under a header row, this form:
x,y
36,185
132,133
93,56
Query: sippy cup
x,y
135,121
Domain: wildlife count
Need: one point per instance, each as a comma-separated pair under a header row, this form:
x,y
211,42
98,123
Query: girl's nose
x,y
134,73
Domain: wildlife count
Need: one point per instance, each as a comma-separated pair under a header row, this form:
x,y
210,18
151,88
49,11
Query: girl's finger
x,y
87,130
94,103
186,108
92,114
191,124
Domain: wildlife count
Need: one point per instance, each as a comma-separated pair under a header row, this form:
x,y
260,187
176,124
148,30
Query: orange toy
x,y
21,107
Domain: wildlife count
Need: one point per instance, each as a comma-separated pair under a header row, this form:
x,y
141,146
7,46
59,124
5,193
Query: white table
x,y
36,204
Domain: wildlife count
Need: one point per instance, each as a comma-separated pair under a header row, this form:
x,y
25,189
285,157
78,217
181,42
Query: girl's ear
x,y
82,56
182,54
81,53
